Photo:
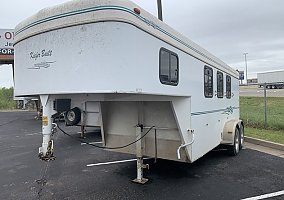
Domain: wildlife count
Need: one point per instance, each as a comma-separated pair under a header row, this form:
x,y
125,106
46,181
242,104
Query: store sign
x,y
241,75
6,42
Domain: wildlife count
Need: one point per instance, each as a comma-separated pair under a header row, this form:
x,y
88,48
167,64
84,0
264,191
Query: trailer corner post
x,y
46,150
139,154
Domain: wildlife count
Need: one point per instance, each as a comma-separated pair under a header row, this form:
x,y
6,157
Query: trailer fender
x,y
229,131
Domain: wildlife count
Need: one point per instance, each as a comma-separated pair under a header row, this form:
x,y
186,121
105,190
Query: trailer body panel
x,y
112,64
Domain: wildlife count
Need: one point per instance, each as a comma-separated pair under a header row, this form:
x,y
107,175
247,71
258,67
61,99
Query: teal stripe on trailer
x,y
100,8
229,110
71,13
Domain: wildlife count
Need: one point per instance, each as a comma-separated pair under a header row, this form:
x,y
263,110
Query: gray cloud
x,y
229,28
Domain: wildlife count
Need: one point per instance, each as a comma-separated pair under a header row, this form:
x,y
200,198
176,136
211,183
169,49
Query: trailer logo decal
x,y
42,65
228,111
44,53
35,55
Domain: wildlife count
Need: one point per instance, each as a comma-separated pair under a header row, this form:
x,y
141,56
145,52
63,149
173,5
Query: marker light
x,y
137,11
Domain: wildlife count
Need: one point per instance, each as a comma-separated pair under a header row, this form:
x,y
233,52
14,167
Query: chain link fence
x,y
262,106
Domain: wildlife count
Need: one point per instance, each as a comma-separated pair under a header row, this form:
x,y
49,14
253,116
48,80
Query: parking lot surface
x,y
214,176
254,91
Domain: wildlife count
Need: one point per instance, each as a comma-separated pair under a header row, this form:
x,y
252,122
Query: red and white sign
x,y
6,42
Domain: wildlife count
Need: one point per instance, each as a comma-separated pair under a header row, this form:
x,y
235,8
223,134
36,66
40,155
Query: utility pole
x,y
160,12
245,54
265,106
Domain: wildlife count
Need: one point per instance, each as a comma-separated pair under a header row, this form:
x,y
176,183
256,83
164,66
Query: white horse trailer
x,y
111,64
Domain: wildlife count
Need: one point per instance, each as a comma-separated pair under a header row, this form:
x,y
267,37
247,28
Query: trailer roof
x,y
90,11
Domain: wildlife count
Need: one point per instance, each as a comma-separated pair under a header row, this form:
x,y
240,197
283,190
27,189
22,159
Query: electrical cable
x,y
119,147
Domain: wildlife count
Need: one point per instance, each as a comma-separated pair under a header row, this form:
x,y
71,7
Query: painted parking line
x,y
115,162
31,134
265,196
83,143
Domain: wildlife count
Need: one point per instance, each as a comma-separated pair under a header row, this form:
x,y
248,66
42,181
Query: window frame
x,y
220,82
169,70
228,87
207,87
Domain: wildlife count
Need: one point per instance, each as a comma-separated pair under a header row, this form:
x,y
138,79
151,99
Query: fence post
x,y
265,108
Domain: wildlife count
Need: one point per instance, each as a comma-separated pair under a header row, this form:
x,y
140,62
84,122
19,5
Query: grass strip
x,y
252,112
276,136
6,99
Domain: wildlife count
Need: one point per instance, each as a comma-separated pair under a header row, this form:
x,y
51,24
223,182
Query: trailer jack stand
x,y
47,157
49,154
140,166
139,154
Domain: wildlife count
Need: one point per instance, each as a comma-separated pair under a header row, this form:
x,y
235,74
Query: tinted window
x,y
228,87
174,68
208,82
169,70
220,85
164,66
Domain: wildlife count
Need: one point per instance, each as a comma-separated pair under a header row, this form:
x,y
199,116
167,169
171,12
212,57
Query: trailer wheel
x,y
234,149
73,116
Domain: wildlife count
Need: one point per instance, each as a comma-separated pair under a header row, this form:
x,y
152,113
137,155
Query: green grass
x,y
6,99
269,135
252,112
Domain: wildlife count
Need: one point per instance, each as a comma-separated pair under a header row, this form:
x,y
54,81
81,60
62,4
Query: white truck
x,y
272,80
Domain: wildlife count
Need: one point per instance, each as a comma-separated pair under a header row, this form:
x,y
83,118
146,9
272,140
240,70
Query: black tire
x,y
73,116
234,149
242,136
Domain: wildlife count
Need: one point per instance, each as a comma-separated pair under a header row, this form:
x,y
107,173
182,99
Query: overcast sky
x,y
226,28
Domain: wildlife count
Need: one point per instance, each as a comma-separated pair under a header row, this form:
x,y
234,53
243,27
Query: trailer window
x,y
208,82
168,67
228,87
220,85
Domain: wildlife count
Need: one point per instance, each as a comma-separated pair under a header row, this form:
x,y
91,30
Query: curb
x,y
265,143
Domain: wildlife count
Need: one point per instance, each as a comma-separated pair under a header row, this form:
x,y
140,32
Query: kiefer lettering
x,y
6,51
9,44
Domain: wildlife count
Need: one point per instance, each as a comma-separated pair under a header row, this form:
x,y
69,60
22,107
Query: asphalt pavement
x,y
214,176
